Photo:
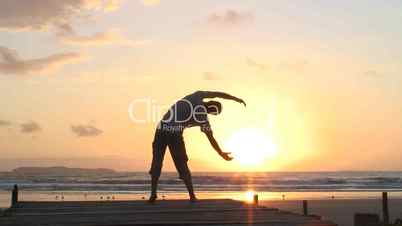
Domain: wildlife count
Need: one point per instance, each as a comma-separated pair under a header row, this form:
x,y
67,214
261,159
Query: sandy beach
x,y
340,211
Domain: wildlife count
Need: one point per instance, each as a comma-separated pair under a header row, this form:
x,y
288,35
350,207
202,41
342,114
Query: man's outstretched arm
x,y
213,94
215,145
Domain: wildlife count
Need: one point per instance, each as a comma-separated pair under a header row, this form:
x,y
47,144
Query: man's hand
x,y
242,102
225,155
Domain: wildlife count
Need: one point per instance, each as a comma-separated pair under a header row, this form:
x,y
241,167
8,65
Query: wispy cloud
x,y
252,63
30,127
209,76
372,74
5,123
67,35
229,18
298,65
39,14
11,63
85,130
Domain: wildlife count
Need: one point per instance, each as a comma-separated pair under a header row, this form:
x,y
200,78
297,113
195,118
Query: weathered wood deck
x,y
172,212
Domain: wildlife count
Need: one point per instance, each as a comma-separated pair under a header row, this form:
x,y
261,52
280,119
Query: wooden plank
x,y
171,212
131,204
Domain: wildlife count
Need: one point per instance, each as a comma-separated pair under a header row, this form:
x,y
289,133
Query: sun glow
x,y
251,146
249,196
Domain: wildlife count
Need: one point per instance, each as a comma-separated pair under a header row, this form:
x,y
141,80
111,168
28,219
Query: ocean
x,y
269,185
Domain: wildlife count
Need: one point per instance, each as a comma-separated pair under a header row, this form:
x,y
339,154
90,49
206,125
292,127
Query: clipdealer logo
x,y
155,112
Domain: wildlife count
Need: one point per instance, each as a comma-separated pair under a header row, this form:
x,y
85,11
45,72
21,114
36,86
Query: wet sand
x,y
340,211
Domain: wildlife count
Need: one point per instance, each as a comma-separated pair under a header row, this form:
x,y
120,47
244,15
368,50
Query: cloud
x,y
67,35
5,123
30,127
40,14
298,66
64,29
229,18
209,76
252,63
85,130
151,2
11,63
372,74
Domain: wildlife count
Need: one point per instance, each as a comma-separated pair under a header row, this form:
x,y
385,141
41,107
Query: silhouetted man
x,y
187,112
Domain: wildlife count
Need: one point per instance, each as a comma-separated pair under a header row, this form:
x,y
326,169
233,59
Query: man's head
x,y
213,107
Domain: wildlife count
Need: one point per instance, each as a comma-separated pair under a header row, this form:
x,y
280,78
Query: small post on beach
x,y
385,212
14,196
255,200
305,208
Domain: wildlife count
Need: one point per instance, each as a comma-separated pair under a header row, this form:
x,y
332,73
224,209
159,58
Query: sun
x,y
251,146
249,196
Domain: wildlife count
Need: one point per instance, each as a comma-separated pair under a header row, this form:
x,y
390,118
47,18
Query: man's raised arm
x,y
213,94
215,145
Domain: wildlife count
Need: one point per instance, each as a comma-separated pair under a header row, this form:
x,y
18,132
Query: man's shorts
x,y
177,149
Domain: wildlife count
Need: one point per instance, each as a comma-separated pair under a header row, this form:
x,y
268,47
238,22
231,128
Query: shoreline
x,y
270,195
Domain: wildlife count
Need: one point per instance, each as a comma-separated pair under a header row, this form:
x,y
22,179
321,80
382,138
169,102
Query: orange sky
x,y
321,84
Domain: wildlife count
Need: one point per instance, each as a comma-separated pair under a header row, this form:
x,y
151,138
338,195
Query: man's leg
x,y
189,184
158,153
154,187
178,151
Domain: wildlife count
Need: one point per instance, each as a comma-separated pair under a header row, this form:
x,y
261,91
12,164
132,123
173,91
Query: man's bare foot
x,y
193,199
152,198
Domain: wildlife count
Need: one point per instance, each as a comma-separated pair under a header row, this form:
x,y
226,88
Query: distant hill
x,y
60,171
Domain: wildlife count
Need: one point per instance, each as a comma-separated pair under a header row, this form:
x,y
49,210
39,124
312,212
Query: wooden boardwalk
x,y
173,212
